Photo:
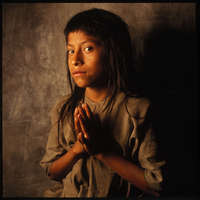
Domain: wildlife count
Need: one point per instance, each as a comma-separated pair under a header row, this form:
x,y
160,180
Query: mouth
x,y
78,73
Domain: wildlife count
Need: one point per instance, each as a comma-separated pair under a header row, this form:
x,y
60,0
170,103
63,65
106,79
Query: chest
x,y
120,127
116,124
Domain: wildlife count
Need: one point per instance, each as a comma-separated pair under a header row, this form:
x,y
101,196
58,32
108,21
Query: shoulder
x,y
137,106
54,112
60,102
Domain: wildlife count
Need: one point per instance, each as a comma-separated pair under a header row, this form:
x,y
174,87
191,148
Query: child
x,y
101,143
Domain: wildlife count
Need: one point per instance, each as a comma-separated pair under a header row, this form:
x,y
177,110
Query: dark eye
x,y
70,51
88,49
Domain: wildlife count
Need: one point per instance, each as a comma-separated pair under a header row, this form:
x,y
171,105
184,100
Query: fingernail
x,y
86,136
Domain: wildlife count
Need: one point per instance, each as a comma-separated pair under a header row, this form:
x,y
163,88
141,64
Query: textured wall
x,y
34,77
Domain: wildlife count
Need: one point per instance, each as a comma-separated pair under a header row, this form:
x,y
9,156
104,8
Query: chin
x,y
81,84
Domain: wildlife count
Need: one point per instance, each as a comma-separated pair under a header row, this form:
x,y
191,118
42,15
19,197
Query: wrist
x,y
77,150
74,152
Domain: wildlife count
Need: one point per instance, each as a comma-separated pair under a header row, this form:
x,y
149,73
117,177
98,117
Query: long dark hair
x,y
113,32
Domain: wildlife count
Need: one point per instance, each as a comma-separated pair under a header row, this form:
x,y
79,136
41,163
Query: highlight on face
x,y
113,33
84,59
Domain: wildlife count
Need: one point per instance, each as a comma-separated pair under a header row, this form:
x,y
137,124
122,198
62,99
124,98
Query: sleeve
x,y
54,149
145,149
148,160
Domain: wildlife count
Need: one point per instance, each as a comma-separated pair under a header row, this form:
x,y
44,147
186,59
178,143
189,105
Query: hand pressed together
x,y
88,129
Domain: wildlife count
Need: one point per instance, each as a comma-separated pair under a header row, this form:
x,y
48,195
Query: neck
x,y
96,94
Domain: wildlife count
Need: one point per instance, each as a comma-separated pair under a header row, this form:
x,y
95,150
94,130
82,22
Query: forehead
x,y
79,36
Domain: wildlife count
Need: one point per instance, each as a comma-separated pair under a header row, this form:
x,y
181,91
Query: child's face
x,y
84,59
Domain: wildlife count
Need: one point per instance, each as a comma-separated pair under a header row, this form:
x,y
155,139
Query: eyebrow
x,y
94,41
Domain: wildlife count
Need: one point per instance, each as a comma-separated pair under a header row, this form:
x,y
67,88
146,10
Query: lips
x,y
78,73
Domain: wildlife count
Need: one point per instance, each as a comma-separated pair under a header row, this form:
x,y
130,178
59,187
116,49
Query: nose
x,y
76,62
77,59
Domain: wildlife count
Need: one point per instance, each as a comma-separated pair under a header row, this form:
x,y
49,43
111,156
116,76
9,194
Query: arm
x,y
57,162
64,164
126,170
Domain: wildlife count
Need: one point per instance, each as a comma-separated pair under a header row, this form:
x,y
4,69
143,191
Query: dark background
x,y
164,35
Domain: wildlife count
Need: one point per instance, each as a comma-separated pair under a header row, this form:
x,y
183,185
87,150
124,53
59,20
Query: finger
x,y
78,127
76,111
82,112
87,110
82,125
75,114
80,137
82,140
86,145
76,124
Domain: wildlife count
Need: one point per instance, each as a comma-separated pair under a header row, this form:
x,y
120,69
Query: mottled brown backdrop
x,y
34,76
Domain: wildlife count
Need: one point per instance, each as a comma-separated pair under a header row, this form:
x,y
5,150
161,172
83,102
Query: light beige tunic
x,y
130,127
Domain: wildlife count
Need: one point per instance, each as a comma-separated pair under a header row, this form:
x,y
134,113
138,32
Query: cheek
x,y
96,62
99,63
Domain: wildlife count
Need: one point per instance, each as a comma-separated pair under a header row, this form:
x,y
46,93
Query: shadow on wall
x,y
169,79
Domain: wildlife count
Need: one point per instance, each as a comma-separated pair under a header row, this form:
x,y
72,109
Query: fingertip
x,y
86,136
83,106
